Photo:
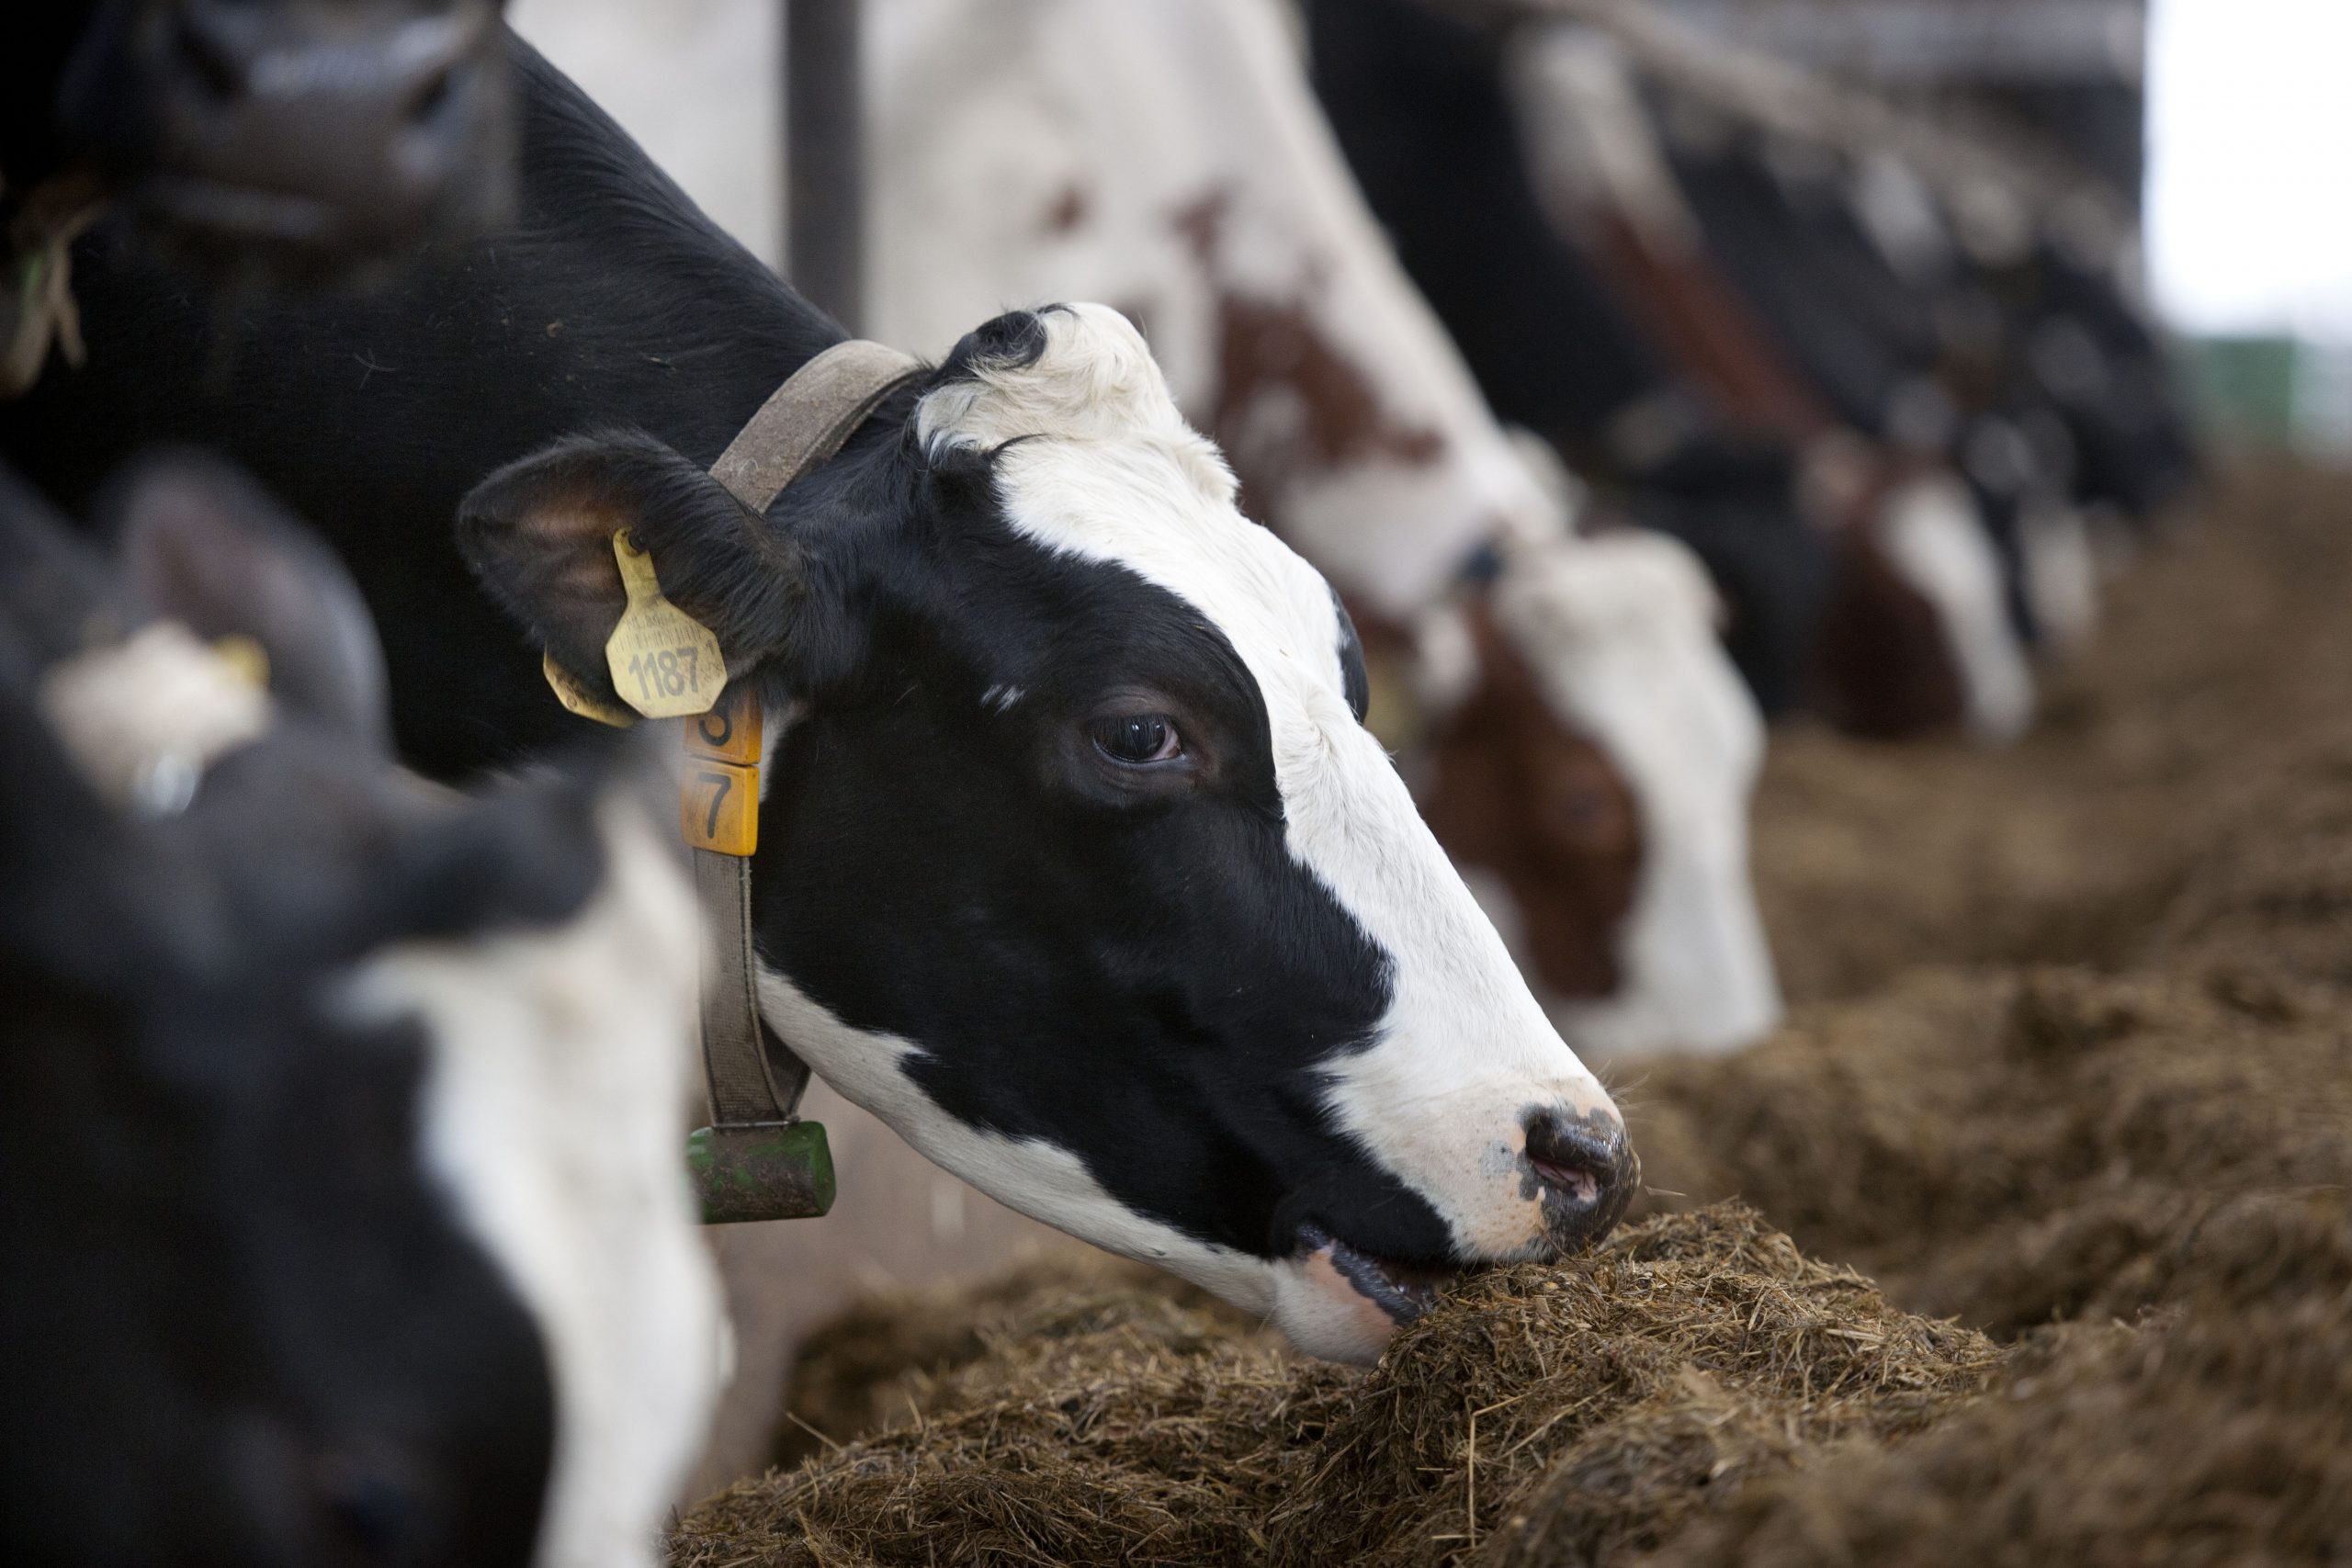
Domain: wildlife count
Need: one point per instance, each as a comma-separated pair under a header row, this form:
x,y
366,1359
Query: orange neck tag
x,y
718,790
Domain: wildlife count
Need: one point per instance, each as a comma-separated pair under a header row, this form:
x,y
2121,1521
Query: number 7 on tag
x,y
718,806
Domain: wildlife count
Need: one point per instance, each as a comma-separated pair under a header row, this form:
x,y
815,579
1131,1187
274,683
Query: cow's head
x,y
345,1209
1917,634
1076,863
1597,773
289,137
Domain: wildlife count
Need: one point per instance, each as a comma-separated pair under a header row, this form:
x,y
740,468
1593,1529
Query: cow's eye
x,y
1136,738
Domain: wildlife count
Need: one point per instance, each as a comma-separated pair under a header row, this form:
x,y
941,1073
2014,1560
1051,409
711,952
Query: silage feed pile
x,y
1607,1399
2017,1151
2028,1240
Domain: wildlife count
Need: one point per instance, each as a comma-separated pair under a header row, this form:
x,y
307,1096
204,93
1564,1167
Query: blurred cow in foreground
x,y
344,1212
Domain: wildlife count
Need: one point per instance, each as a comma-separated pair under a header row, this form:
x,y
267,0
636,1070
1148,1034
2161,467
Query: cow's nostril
x,y
1586,1169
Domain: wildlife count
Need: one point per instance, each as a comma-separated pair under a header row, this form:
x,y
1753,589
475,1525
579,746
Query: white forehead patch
x,y
1464,1051
143,718
1120,478
554,1109
1095,382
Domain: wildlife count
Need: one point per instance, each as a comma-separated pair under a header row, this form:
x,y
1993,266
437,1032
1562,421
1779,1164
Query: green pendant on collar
x,y
776,1170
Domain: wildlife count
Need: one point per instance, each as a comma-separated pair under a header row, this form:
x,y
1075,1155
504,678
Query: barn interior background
x,y
2216,123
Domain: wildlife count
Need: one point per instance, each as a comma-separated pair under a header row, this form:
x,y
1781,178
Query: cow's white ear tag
x,y
665,663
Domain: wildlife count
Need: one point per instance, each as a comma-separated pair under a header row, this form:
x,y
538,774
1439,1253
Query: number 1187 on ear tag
x,y
664,663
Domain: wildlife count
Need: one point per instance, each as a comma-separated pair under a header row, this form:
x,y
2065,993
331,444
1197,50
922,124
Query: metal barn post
x,y
824,163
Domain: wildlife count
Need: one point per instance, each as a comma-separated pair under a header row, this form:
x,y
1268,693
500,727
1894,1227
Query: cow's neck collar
x,y
754,1080
753,1161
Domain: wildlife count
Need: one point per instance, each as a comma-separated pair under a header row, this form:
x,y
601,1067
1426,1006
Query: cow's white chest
x,y
554,1109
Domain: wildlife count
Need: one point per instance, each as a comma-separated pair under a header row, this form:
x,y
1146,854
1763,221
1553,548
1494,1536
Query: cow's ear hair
x,y
200,541
538,533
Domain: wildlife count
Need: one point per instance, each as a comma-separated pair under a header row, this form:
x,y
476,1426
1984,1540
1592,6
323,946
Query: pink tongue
x,y
1372,1322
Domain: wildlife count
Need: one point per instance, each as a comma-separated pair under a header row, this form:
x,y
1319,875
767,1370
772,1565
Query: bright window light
x,y
2250,178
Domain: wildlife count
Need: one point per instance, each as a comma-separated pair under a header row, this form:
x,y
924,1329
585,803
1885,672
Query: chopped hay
x,y
2221,1434
2073,1066
884,1357
2214,711
1686,1355
1602,1402
2169,1025
1696,1392
2016,1150
1134,1430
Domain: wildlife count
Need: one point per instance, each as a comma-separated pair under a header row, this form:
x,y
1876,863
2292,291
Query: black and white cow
x,y
1076,863
344,1218
262,138
1521,181
1885,338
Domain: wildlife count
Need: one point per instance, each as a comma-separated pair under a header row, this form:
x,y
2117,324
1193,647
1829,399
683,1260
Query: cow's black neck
x,y
650,305
611,301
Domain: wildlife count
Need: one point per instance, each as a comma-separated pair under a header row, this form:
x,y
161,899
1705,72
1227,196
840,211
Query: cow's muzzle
x,y
325,134
1585,1172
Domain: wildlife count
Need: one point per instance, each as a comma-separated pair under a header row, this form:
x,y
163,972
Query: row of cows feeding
x,y
350,990
1886,390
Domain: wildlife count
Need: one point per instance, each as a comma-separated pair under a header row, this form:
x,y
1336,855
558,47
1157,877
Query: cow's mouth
x,y
199,205
1403,1290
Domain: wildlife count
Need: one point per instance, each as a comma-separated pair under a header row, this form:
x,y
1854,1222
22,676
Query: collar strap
x,y
808,419
755,1161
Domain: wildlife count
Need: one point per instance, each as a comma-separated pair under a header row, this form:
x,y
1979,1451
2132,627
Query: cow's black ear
x,y
539,535
528,854
200,541
57,594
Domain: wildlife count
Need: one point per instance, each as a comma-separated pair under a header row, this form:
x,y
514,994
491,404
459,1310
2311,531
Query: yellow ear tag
x,y
247,658
579,699
665,663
